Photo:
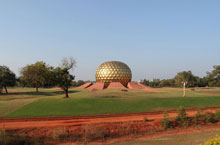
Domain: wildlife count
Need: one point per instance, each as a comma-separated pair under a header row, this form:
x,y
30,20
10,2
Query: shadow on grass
x,y
52,93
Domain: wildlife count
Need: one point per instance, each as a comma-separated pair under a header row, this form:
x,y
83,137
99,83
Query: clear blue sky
x,y
156,38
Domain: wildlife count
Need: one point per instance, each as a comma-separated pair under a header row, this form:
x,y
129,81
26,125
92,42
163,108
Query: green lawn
x,y
50,102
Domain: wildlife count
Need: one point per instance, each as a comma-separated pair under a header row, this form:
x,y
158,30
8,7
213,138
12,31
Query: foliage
x,y
181,114
217,115
155,83
210,117
214,77
185,76
37,75
166,122
7,78
63,77
200,82
198,117
145,82
159,83
182,118
215,141
167,83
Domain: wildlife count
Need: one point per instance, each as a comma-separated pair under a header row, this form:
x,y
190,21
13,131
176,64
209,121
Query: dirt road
x,y
71,121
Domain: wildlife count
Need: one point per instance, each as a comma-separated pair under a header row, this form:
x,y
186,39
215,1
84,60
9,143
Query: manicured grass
x,y
50,102
85,106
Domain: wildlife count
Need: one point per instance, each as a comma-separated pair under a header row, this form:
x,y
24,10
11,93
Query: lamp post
x,y
184,88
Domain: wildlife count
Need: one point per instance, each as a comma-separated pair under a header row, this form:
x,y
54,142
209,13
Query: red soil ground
x,y
136,85
44,126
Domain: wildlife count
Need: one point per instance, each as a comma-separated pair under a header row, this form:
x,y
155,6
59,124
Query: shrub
x,y
198,117
217,115
209,117
165,122
182,117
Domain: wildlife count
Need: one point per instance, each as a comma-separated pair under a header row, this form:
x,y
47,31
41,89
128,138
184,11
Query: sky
x,y
155,38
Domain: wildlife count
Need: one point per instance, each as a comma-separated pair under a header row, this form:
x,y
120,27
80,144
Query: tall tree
x,y
35,75
7,78
185,76
63,76
214,77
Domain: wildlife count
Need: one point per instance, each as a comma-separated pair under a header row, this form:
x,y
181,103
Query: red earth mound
x,y
116,85
138,86
96,86
147,88
134,85
86,85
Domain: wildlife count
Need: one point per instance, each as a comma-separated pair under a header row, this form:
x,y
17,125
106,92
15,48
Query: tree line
x,y
39,75
212,79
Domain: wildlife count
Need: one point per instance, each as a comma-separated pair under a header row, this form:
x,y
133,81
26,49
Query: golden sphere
x,y
113,71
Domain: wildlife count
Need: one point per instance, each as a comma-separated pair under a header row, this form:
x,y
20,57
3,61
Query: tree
x,y
185,76
155,83
36,75
167,83
145,82
63,77
7,78
214,77
201,82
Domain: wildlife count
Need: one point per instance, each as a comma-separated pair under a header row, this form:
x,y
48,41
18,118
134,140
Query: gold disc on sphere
x,y
113,71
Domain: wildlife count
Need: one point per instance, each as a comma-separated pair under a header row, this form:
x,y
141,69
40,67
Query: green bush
x,y
217,115
182,118
210,117
198,117
166,122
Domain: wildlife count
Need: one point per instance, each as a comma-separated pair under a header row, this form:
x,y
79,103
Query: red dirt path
x,y
18,123
45,125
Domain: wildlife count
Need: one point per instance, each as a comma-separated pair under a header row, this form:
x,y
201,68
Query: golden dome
x,y
113,71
